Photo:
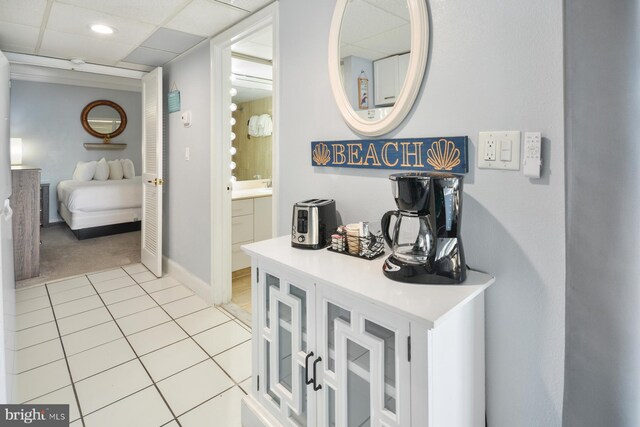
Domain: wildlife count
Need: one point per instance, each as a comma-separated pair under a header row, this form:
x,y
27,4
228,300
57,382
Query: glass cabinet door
x,y
286,321
366,377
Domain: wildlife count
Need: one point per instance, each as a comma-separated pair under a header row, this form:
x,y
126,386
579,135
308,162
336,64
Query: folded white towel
x,y
265,125
253,126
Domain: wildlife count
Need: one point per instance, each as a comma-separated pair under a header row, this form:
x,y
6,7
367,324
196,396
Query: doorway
x,y
244,152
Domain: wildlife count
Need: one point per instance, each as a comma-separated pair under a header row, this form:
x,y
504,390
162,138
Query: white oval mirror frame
x,y
415,73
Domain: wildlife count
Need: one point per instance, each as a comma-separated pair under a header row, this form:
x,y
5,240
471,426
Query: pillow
x,y
84,171
128,169
102,170
115,169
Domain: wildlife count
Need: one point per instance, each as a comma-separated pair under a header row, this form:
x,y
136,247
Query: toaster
x,y
313,223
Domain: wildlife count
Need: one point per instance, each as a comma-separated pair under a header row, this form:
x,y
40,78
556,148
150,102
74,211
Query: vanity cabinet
x,y
335,343
389,75
250,222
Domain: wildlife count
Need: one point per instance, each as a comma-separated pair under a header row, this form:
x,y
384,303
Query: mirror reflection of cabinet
x,y
389,75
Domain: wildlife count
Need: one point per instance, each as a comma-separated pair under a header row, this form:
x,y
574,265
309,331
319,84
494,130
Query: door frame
x,y
220,157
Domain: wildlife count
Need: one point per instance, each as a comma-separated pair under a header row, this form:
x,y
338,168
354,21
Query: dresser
x,y
25,202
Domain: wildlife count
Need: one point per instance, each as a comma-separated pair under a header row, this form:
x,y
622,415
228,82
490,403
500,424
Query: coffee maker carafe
x,y
426,244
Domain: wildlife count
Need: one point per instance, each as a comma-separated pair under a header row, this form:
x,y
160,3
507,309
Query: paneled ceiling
x,y
148,33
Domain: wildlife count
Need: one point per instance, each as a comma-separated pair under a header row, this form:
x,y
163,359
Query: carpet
x,y
62,255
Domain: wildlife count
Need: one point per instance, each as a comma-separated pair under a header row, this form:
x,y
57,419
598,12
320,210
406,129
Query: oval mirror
x,y
104,119
378,53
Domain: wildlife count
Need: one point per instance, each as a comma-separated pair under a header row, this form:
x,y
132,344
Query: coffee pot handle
x,y
386,220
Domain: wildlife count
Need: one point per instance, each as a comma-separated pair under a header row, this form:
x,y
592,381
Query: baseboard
x,y
254,415
197,285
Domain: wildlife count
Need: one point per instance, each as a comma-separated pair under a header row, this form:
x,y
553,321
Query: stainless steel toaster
x,y
313,223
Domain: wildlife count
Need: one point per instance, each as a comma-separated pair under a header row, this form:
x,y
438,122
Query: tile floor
x,y
123,348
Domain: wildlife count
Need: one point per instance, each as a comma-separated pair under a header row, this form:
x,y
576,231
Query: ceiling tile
x,y
63,45
132,66
205,18
362,21
25,12
391,42
172,40
399,8
151,57
253,49
76,20
249,5
18,38
150,11
349,50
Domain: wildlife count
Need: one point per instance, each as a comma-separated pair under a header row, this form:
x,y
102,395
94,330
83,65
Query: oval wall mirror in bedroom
x,y
104,119
378,53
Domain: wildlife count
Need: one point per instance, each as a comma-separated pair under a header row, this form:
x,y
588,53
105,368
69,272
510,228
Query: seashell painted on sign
x,y
443,155
321,154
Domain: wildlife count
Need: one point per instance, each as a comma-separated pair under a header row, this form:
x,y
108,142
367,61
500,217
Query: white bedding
x,y
93,196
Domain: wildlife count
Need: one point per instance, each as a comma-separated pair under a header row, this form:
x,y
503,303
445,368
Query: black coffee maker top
x,y
411,189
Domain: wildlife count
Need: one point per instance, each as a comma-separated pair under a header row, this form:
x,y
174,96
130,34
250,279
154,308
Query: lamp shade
x,y
16,151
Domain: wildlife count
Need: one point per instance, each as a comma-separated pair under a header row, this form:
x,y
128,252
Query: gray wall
x,y
480,77
187,211
47,118
602,374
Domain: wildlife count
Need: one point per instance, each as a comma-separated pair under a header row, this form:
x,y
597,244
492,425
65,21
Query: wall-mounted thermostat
x,y
186,119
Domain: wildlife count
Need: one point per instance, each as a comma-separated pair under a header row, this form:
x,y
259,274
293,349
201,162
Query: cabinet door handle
x,y
316,386
306,368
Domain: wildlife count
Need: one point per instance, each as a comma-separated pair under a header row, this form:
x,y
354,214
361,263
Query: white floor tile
x,y
33,318
185,306
222,338
40,381
72,294
113,284
174,358
36,335
203,320
159,336
135,268
193,386
76,423
77,306
171,424
246,385
122,294
134,305
91,337
38,355
142,409
225,409
159,284
61,397
84,320
172,294
107,387
32,305
145,276
106,275
99,359
29,293
67,284
236,361
143,320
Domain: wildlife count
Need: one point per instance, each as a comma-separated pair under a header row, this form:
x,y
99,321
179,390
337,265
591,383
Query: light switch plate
x,y
495,146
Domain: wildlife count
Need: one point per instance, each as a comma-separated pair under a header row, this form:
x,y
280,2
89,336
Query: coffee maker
x,y
426,244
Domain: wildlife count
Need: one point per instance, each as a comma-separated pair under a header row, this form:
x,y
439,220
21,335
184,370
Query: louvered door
x,y
152,171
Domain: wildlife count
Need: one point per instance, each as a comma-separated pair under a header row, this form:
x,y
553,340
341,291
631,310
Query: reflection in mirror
x,y
375,47
252,122
103,119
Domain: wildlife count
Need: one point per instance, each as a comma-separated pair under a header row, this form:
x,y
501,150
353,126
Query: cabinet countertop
x,y
426,304
251,193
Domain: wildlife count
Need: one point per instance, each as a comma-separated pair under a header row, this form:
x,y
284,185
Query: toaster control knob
x,y
301,239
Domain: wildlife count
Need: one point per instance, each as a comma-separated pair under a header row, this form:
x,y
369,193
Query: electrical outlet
x,y
499,150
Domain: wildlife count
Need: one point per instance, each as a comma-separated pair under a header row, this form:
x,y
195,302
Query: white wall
x,y
187,213
603,206
494,65
47,118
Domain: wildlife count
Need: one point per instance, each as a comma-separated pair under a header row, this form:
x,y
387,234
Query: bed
x,y
99,208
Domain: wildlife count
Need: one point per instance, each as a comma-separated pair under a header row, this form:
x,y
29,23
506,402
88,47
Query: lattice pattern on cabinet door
x,y
279,297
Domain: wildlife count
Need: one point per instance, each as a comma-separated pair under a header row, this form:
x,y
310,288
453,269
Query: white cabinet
x,y
335,343
250,222
388,76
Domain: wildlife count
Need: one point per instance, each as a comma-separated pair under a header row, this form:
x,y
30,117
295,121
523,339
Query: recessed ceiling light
x,y
102,29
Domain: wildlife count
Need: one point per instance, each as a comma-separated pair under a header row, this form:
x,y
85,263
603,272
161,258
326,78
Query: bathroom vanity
x,y
336,343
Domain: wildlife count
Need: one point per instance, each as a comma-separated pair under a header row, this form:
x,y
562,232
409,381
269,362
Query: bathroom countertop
x,y
251,193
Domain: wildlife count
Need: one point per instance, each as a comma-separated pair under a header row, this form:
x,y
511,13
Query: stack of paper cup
x,y
353,238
